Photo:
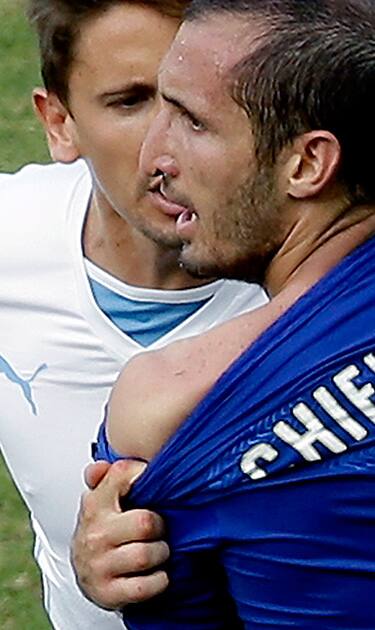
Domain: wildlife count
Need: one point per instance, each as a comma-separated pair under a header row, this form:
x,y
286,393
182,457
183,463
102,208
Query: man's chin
x,y
166,240
199,267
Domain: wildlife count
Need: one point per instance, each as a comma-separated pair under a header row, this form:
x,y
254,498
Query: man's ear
x,y
58,125
313,163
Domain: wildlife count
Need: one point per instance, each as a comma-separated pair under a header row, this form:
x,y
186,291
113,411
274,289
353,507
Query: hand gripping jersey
x,y
268,488
59,357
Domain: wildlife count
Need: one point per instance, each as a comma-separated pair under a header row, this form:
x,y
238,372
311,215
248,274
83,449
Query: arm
x,y
157,390
152,396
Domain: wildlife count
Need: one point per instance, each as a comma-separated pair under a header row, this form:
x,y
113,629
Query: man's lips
x,y
186,225
187,216
168,207
184,216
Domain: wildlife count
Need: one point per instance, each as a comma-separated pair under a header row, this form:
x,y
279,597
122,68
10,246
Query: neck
x,y
124,252
310,251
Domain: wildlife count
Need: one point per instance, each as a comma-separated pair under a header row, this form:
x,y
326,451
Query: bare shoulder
x,y
157,390
152,396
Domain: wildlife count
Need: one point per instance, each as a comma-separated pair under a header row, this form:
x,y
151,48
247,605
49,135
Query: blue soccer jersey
x,y
268,487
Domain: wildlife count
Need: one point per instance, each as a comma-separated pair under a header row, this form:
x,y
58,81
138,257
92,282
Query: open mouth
x,y
186,225
187,216
182,214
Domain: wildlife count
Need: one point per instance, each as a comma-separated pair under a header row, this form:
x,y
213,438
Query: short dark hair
x,y
313,68
58,23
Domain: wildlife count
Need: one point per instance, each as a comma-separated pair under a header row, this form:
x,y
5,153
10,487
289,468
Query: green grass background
x,y
21,138
21,141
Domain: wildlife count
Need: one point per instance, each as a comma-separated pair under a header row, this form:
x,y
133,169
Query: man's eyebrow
x,y
130,88
180,105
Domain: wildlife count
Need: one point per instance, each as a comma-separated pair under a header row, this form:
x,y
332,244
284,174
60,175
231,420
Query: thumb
x,y
94,473
117,482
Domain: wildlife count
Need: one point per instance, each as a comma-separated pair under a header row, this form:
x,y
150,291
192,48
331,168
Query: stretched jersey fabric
x,y
268,487
59,358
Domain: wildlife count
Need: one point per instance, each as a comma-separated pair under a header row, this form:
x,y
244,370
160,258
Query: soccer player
x,y
265,141
90,270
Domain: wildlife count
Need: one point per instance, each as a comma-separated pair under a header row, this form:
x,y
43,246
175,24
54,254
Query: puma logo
x,y
12,375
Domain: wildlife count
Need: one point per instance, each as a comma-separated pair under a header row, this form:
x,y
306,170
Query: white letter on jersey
x,y
369,359
359,397
259,451
316,432
339,414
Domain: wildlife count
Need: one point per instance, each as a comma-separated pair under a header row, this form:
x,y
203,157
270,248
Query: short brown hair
x,y
313,68
58,23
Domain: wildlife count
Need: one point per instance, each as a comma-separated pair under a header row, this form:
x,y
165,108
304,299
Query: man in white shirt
x,y
91,268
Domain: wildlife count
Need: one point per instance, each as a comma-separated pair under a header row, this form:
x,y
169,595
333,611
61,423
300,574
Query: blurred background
x,y
21,141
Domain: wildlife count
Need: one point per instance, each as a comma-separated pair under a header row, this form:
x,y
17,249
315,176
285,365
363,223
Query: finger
x,y
141,525
135,558
132,590
94,473
126,527
116,483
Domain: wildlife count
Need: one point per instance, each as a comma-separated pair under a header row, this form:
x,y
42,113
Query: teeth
x,y
186,216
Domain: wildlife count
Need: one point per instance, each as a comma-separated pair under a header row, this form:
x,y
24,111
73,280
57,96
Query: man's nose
x,y
156,157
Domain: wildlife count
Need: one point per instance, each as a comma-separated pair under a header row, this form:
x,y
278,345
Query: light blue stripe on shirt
x,y
143,321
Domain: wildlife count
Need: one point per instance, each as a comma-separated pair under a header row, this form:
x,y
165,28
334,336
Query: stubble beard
x,y
245,235
166,241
